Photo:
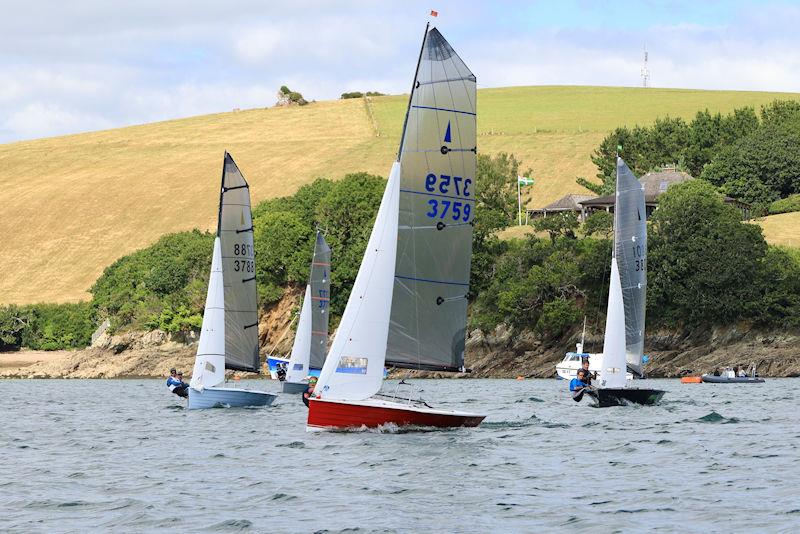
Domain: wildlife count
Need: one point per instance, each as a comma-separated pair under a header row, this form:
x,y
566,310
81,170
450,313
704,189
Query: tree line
x,y
705,266
753,157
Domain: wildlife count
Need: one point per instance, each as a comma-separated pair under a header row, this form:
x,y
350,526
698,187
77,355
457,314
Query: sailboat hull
x,y
227,398
606,397
294,387
372,413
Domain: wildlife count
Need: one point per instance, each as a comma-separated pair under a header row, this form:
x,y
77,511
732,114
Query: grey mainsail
x,y
437,206
235,230
320,281
630,250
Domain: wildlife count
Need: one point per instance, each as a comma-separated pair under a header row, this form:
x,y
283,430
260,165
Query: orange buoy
x,y
691,380
520,378
237,378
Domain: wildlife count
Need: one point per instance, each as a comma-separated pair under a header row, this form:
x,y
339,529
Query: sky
x,y
82,65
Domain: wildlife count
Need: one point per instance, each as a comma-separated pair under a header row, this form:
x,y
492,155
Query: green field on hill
x,y
74,204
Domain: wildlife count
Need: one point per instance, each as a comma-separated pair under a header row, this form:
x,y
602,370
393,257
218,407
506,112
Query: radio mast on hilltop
x,y
645,70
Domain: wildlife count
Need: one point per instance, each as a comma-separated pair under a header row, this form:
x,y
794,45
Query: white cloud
x,y
94,64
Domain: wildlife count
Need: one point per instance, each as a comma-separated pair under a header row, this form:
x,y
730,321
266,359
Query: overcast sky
x,y
79,65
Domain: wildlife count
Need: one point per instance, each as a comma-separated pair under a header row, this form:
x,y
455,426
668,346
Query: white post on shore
x,y
519,202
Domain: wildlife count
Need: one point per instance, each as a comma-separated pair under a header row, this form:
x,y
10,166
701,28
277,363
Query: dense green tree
x,y
557,225
59,326
495,194
134,289
13,322
759,168
600,223
702,260
284,246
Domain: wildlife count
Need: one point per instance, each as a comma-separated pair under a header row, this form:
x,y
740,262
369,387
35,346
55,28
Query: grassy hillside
x,y
73,204
782,229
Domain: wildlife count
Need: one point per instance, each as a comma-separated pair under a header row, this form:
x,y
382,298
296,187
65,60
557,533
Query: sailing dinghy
x,y
229,336
311,338
408,305
624,336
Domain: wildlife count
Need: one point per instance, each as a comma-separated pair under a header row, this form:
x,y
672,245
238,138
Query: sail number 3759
x,y
449,185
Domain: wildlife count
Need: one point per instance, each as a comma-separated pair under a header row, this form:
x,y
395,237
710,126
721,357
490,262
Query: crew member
x,y
176,384
577,384
589,375
312,383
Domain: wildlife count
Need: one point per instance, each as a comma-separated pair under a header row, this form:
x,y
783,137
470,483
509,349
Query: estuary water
x,y
124,456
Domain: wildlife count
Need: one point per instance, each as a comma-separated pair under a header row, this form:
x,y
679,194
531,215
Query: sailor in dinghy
x,y
408,305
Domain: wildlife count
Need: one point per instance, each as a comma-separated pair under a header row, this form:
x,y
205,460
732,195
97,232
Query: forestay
x,y
235,232
630,251
437,208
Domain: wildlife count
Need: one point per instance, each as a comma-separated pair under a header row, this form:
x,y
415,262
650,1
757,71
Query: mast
x,y
411,94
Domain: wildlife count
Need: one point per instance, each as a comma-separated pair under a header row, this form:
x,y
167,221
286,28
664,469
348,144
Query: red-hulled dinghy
x,y
408,305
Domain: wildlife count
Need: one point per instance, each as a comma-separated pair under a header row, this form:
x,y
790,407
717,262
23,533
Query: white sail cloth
x,y
301,349
353,369
209,365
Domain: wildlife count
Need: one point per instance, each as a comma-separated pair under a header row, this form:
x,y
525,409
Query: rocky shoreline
x,y
502,353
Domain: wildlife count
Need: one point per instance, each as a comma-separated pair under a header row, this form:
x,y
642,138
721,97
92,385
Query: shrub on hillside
x,y
785,205
172,272
59,326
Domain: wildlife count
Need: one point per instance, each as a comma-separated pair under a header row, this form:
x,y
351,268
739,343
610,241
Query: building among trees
x,y
655,184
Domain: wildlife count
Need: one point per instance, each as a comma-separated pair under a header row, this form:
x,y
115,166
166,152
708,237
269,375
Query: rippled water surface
x,y
123,455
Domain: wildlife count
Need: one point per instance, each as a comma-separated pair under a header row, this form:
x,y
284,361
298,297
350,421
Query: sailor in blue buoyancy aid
x,y
176,384
579,385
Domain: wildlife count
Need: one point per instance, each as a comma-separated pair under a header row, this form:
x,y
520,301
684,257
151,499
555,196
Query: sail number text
x,y
639,258
242,250
244,266
449,185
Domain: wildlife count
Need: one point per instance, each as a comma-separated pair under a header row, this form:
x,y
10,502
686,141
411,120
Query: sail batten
x,y
437,207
